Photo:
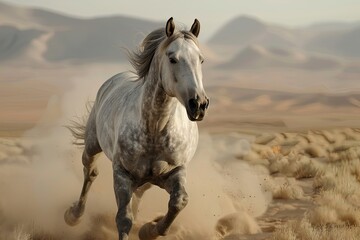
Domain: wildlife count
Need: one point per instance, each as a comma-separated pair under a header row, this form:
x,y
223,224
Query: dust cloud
x,y
41,175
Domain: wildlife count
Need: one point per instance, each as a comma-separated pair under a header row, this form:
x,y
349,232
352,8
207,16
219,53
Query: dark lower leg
x,y
123,193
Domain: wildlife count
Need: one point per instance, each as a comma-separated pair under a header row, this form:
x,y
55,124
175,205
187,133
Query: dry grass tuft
x,y
300,229
333,161
304,230
294,165
307,170
323,215
335,209
284,233
339,178
289,190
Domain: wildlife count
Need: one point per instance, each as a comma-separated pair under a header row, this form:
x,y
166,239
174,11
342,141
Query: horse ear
x,y
170,27
195,28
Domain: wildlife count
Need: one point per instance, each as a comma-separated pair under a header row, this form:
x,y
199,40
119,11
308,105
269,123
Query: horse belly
x,y
145,159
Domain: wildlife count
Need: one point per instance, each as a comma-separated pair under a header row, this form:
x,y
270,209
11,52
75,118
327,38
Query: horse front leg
x,y
123,187
174,185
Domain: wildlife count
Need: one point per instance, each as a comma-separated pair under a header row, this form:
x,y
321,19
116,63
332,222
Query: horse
x,y
145,122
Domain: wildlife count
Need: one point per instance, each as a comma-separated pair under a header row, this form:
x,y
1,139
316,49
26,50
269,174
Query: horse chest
x,y
146,155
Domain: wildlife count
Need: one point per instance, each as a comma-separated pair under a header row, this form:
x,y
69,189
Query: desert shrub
x,y
304,230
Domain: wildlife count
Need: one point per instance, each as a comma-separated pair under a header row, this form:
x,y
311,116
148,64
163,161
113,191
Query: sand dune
x,y
266,100
26,93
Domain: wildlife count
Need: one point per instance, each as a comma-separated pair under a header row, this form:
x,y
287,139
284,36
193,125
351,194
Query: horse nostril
x,y
193,105
205,105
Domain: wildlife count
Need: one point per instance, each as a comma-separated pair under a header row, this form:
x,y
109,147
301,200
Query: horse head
x,y
181,72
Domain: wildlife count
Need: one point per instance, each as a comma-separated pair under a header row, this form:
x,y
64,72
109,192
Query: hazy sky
x,y
211,13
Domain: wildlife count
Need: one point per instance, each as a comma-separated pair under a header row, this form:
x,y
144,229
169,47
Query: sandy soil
x,y
258,174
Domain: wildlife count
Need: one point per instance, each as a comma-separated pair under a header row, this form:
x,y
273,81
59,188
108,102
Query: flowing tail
x,y
78,127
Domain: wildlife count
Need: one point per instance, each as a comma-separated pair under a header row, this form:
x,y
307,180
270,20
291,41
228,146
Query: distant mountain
x,y
345,43
258,57
34,17
14,42
333,26
245,30
334,38
98,39
71,38
103,38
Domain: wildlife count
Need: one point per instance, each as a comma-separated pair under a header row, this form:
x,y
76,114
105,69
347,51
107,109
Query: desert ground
x,y
279,150
289,171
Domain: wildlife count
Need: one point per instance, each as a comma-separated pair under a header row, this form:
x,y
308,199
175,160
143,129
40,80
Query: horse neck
x,y
157,107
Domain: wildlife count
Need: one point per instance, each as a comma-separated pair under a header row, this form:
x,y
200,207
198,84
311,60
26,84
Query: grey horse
x,y
145,123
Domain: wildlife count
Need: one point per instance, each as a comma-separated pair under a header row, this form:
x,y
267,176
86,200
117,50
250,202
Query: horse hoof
x,y
148,231
70,218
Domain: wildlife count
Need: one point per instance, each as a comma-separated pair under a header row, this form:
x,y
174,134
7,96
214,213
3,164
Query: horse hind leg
x,y
73,214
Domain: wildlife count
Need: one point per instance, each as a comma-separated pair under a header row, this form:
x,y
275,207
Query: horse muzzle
x,y
197,108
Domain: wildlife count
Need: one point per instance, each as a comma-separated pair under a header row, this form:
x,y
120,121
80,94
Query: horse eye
x,y
202,61
172,60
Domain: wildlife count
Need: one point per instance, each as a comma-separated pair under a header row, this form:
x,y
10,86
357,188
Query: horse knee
x,y
90,170
94,172
91,173
178,201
